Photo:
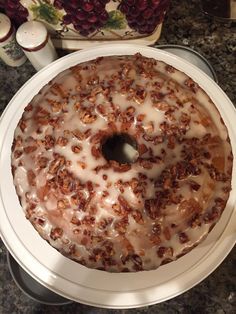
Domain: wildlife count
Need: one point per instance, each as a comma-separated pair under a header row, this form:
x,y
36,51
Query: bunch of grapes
x,y
85,15
16,12
144,15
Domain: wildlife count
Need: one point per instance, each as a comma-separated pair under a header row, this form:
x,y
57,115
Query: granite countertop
x,y
185,25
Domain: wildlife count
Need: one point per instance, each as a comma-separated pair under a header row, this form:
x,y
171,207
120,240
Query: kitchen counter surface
x,y
185,25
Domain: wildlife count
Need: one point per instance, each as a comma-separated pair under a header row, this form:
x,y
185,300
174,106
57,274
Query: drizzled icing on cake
x,y
131,216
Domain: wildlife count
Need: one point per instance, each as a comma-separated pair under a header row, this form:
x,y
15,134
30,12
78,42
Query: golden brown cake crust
x,y
122,216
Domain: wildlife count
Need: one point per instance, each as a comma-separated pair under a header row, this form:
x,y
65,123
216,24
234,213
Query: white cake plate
x,y
94,287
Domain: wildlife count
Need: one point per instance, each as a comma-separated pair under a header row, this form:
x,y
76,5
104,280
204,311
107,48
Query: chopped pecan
x,y
76,149
191,85
134,183
128,114
184,119
72,249
117,167
167,233
120,185
213,215
49,142
183,238
105,194
30,210
96,152
165,251
169,115
62,204
87,116
162,106
82,205
76,198
93,80
55,105
89,186
30,149
226,189
57,89
31,177
136,214
121,225
55,122
195,221
29,107
206,155
149,127
42,162
194,185
22,125
152,208
124,204
157,97
170,69
146,164
154,139
176,198
17,142
96,138
66,133
188,207
76,231
96,90
137,261
219,163
183,169
87,232
215,174
78,134
93,210
140,95
105,222
82,164
156,229
140,117
105,166
62,141
56,233
17,153
215,211
155,239
55,164
88,220
101,109
112,126
166,261
13,170
220,204
125,126
41,221
98,253
171,141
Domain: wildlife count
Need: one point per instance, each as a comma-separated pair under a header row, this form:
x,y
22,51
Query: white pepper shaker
x,y
34,39
10,52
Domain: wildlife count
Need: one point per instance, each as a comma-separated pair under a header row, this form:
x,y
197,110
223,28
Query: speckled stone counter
x,y
185,25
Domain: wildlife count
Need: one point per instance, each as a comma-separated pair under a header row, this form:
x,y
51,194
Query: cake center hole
x,y
121,148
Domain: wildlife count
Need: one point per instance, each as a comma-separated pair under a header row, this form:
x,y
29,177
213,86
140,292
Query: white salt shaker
x,y
34,39
10,52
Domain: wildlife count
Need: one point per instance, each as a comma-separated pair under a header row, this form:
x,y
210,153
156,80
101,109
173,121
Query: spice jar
x,y
10,51
34,39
